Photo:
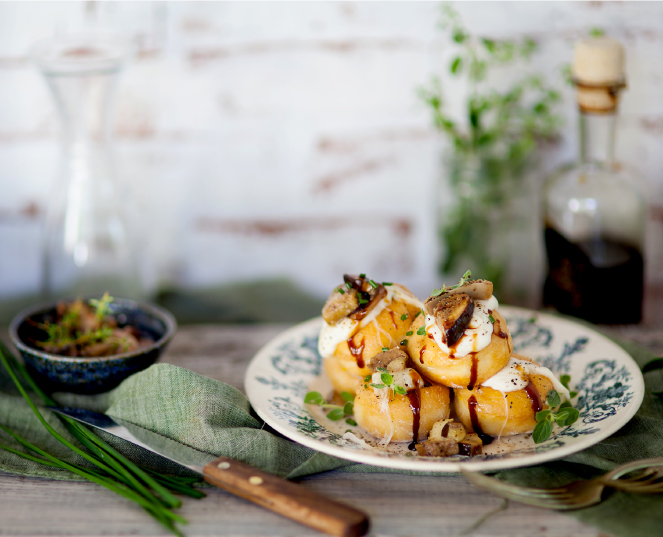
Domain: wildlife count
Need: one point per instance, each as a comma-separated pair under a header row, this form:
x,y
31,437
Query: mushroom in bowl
x,y
90,346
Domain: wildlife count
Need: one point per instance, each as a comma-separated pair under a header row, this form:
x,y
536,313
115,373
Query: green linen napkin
x,y
215,418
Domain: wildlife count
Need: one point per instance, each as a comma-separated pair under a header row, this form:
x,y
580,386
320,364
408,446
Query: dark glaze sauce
x,y
415,405
473,372
421,354
498,330
471,407
534,395
357,352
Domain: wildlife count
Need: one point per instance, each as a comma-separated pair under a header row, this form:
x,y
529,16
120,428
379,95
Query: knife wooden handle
x,y
286,498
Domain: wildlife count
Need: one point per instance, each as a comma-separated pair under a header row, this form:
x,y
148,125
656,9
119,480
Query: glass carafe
x,y
89,242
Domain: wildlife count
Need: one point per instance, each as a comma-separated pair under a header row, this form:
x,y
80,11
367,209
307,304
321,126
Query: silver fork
x,y
579,493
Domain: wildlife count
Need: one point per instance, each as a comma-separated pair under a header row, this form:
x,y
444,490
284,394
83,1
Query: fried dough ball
x,y
385,331
503,414
342,380
371,414
456,372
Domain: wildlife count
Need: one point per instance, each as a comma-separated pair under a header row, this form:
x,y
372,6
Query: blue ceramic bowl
x,y
91,375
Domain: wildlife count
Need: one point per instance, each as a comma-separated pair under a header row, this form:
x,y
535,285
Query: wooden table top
x,y
397,504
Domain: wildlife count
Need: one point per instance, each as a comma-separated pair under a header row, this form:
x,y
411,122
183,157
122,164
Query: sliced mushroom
x,y
471,445
369,294
452,314
448,429
439,447
384,359
340,304
476,289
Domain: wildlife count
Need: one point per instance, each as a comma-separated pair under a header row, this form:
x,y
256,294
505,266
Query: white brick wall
x,y
286,138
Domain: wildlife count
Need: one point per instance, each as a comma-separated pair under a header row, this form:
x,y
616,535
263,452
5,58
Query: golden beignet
x,y
398,423
387,330
341,379
502,414
460,371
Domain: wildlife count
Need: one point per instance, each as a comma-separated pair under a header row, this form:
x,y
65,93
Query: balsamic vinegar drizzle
x,y
535,396
421,353
473,372
415,405
471,406
357,352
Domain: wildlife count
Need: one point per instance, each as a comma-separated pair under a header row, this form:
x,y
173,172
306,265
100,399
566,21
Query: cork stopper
x,y
598,72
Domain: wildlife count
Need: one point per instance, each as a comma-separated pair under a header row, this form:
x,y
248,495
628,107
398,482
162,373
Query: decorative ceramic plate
x,y
609,384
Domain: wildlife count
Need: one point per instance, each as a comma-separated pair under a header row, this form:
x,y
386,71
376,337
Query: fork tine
x,y
533,496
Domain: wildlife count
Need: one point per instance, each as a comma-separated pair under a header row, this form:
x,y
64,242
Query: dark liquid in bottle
x,y
598,280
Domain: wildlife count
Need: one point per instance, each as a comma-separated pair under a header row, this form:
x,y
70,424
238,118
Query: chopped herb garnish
x,y
387,283
492,319
417,314
362,300
464,279
373,284
362,275
352,422
421,331
367,378
403,342
388,381
404,317
341,291
409,333
348,285
385,349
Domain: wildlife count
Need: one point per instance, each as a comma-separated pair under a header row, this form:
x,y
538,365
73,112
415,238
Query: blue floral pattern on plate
x,y
609,385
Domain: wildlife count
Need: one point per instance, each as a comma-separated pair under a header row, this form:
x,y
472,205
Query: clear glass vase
x,y
89,241
488,215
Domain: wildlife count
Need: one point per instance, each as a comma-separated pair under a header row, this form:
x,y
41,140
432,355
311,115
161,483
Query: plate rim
x,y
442,466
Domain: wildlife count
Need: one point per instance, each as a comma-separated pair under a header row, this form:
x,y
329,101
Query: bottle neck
x,y
597,138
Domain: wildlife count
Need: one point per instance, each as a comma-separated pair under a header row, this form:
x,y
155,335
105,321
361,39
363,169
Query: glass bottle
x,y
88,238
595,209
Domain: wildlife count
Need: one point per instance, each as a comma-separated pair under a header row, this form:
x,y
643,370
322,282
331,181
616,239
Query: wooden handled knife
x,y
279,495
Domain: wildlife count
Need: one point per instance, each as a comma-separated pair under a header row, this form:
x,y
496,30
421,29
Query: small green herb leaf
x,y
492,319
341,291
387,379
456,64
373,284
350,421
348,408
385,349
399,389
403,342
347,396
553,399
542,415
362,275
409,333
313,398
378,386
421,331
542,431
367,378
336,414
404,317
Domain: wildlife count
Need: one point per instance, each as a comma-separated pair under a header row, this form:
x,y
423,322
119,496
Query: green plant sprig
x,y
561,413
463,280
336,412
387,381
112,469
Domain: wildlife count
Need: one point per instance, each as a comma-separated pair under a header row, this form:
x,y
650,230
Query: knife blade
x,y
279,495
